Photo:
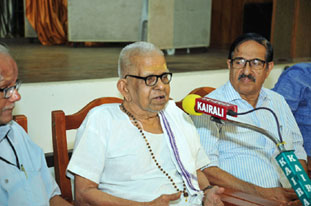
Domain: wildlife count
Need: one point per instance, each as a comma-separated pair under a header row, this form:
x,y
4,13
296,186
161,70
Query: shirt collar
x,y
4,129
233,95
263,96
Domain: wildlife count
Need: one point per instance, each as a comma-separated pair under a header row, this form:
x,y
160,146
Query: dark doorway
x,y
257,18
11,18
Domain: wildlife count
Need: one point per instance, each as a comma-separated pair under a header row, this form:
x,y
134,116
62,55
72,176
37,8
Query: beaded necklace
x,y
152,154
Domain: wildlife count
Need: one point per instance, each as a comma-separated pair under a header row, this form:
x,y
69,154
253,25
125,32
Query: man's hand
x,y
212,196
294,201
285,195
164,200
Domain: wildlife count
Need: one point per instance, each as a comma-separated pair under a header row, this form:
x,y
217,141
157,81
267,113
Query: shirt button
x,y
6,181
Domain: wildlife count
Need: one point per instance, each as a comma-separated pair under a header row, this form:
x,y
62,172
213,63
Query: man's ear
x,y
123,89
229,63
269,69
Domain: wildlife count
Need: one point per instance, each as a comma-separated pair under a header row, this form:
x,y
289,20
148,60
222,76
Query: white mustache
x,y
10,107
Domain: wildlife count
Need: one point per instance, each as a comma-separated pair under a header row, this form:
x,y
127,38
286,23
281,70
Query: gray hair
x,y
135,49
4,49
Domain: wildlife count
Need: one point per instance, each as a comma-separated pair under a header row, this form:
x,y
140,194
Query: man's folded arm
x,y
219,177
87,193
304,165
58,201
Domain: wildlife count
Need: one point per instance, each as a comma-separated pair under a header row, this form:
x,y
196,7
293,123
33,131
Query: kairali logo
x,y
210,109
213,107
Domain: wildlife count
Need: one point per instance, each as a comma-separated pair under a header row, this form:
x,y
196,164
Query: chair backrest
x,y
21,120
61,123
202,91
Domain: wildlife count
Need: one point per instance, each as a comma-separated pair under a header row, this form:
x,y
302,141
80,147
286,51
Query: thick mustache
x,y
251,77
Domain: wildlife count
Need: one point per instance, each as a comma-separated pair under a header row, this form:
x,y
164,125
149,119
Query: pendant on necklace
x,y
186,196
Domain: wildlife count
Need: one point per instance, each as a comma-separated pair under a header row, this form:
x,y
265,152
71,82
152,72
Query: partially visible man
x,y
145,151
24,177
241,158
294,85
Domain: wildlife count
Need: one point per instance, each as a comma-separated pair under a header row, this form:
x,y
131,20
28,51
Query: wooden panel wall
x,y
227,20
303,36
283,13
291,29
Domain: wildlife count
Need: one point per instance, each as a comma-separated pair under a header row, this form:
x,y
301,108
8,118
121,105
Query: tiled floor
x,y
39,63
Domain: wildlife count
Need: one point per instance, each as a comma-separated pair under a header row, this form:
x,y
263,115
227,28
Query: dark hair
x,y
254,37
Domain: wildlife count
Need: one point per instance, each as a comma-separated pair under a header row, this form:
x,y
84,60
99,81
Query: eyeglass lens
x,y
254,63
153,79
8,92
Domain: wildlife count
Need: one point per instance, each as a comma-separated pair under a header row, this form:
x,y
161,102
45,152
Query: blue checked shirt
x,y
248,155
294,85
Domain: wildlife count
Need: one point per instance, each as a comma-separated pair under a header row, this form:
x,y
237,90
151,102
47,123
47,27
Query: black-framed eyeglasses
x,y
239,63
8,92
152,80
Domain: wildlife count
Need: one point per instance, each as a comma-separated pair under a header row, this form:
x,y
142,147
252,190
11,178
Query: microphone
x,y
194,104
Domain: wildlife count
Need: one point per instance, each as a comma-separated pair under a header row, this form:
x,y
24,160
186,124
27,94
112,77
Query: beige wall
x,y
39,99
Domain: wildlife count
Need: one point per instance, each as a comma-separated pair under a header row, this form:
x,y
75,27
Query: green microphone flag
x,y
296,175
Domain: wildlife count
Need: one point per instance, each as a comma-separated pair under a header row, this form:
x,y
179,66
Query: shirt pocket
x,y
13,188
24,189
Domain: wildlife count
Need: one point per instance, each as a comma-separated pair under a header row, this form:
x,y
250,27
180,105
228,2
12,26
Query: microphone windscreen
x,y
188,104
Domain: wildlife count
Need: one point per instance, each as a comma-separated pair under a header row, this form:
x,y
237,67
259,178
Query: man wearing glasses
x,y
24,176
241,158
145,151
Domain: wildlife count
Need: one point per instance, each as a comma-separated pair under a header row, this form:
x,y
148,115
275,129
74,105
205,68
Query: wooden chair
x,y
61,123
202,91
21,120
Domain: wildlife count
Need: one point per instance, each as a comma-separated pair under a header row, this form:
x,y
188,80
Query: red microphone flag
x,y
214,107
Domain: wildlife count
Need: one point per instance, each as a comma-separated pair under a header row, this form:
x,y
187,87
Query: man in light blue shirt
x,y
241,158
24,176
294,85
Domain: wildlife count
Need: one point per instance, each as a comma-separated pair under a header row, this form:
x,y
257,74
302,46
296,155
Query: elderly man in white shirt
x,y
145,151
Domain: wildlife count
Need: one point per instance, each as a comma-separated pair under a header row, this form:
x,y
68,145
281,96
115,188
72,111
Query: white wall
x,y
39,99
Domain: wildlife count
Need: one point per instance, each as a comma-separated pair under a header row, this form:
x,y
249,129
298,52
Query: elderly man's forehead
x,y
148,58
7,65
151,62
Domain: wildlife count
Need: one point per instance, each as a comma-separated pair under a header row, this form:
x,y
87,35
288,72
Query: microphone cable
x,y
232,113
